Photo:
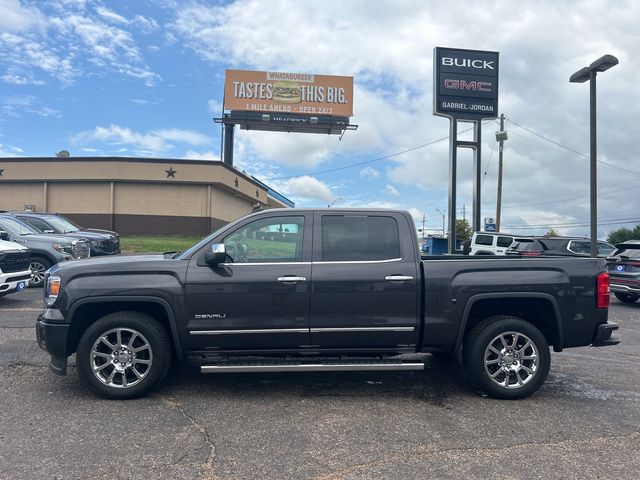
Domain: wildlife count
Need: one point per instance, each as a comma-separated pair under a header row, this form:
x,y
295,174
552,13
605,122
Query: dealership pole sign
x,y
465,88
465,84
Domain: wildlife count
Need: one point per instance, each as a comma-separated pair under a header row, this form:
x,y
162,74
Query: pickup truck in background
x,y
15,273
306,290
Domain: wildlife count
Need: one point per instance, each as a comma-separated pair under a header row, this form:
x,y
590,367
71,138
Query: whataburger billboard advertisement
x,y
465,83
278,92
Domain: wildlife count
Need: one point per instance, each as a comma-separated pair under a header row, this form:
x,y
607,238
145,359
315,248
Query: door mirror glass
x,y
216,255
4,235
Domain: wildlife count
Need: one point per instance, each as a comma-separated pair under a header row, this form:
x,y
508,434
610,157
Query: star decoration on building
x,y
171,172
237,182
1,172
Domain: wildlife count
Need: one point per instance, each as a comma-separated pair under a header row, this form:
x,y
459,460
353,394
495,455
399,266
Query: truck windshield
x,y
17,227
61,225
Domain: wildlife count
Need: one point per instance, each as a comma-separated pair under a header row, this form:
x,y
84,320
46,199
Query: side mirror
x,y
4,235
217,255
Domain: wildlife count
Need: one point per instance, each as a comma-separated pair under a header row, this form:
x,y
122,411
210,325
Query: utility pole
x,y
501,136
424,219
464,211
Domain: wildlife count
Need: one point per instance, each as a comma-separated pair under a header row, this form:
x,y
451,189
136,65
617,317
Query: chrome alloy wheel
x,y
37,272
511,360
121,358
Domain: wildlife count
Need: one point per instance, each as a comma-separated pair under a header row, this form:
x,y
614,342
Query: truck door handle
x,y
398,278
291,279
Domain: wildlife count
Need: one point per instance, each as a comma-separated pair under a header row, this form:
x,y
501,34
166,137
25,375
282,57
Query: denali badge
x,y
210,316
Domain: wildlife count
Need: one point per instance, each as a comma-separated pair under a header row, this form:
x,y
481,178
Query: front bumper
x,y
603,336
52,338
10,282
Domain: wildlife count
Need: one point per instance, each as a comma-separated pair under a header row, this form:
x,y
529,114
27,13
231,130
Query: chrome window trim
x,y
249,331
263,263
359,261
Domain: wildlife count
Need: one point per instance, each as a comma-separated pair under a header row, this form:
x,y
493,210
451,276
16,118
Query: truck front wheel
x,y
507,357
123,355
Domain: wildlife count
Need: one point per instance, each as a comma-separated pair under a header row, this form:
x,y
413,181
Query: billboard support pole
x,y
453,173
477,175
228,144
475,145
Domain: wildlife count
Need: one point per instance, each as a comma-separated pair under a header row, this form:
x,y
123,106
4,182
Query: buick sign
x,y
465,84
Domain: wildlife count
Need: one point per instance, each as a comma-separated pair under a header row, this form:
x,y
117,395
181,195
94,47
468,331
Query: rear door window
x,y
484,240
359,238
504,241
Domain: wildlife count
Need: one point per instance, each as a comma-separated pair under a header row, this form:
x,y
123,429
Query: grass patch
x,y
156,243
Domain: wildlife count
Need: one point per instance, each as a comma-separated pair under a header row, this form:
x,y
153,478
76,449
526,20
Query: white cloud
x,y
15,17
391,190
111,15
207,155
368,172
153,142
10,151
70,41
308,188
215,107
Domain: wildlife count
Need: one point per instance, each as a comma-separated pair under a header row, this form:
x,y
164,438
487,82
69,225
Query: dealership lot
x,y
584,422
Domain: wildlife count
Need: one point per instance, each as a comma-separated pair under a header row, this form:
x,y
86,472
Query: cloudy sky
x,y
146,78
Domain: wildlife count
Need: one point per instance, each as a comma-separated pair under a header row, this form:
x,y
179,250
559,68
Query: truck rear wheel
x,y
626,297
507,357
123,355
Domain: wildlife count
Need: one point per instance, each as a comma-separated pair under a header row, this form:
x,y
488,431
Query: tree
x,y
463,229
551,233
623,234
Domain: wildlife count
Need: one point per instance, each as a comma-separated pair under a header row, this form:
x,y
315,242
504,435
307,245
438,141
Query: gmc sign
x,y
465,83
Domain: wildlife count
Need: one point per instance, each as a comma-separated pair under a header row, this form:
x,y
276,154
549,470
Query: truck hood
x,y
48,238
122,264
90,235
8,246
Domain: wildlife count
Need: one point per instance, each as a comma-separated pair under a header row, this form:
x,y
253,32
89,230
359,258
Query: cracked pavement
x,y
583,423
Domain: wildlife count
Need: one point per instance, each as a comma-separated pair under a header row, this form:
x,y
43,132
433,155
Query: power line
x,y
578,223
366,162
571,149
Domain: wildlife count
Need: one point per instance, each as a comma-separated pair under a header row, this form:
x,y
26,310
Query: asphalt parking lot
x,y
583,423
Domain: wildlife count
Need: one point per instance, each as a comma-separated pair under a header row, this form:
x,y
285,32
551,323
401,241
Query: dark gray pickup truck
x,y
304,290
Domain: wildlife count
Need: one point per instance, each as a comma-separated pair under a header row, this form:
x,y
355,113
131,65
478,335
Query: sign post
x,y
465,88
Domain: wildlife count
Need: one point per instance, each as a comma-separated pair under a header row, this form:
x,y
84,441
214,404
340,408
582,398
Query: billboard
x,y
465,83
288,93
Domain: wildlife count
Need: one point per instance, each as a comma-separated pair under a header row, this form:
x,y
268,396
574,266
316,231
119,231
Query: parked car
x,y
102,242
345,290
556,246
624,271
46,250
490,243
15,272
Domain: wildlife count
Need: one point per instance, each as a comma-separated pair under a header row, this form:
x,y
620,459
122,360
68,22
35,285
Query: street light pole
x,y
443,215
602,64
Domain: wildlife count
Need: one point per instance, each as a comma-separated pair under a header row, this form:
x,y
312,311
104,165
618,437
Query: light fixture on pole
x,y
334,202
602,64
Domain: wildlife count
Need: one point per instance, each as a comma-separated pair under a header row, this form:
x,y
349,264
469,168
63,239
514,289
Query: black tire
x,y
508,364
626,297
139,362
38,266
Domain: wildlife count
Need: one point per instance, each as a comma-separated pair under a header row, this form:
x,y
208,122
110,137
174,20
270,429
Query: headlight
x,y
58,247
52,290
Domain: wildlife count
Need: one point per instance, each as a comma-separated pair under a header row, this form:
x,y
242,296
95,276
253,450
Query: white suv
x,y
490,243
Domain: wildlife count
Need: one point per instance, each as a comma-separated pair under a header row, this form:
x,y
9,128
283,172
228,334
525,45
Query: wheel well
x,y
89,313
537,311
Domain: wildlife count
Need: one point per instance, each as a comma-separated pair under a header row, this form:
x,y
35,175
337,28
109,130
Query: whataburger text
x,y
290,92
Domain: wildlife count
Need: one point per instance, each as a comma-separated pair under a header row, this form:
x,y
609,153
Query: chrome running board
x,y
311,367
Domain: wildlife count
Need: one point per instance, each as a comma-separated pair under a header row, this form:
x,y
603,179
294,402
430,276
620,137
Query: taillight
x,y
604,293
